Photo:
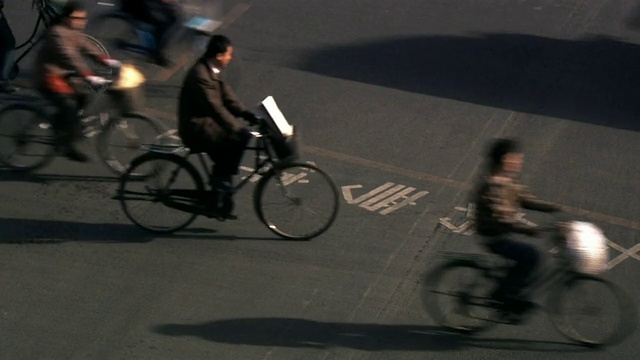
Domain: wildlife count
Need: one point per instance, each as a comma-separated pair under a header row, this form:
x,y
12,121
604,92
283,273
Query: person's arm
x,y
218,107
235,106
69,53
90,49
529,201
497,197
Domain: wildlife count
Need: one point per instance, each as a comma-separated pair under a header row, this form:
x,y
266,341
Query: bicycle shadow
x,y
8,175
32,231
302,333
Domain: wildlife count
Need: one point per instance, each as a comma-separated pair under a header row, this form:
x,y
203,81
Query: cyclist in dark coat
x,y
208,113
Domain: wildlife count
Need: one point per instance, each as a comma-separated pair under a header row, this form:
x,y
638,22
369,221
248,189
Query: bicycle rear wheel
x,y
27,141
166,199
296,201
122,140
455,296
592,311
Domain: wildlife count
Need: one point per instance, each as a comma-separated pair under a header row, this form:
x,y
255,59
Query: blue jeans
x,y
526,258
7,52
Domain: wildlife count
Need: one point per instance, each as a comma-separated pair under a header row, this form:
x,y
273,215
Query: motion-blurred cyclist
x,y
163,16
61,54
498,201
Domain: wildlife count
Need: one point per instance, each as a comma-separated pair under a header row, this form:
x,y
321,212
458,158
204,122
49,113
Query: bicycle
x,y
278,175
31,143
46,14
466,282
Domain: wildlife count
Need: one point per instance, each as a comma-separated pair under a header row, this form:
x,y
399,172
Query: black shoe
x,y
75,155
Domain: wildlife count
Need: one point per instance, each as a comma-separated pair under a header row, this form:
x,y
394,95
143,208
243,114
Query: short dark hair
x,y
498,149
217,45
72,6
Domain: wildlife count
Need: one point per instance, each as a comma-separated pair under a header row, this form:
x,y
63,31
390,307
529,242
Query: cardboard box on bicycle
x,y
285,137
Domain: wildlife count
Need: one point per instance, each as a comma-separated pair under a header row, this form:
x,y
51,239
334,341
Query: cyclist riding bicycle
x,y
60,55
207,111
163,15
498,201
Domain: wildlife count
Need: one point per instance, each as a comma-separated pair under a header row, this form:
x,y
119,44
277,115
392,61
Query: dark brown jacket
x,y
208,109
62,51
498,203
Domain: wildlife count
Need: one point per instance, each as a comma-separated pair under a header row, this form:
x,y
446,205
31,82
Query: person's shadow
x,y
592,80
301,333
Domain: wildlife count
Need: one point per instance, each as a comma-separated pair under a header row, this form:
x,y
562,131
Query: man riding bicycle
x,y
498,201
207,120
60,55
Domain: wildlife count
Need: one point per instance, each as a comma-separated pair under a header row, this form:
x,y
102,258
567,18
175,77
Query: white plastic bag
x,y
587,247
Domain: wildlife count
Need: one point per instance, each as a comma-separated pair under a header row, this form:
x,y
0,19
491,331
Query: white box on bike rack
x,y
276,116
285,138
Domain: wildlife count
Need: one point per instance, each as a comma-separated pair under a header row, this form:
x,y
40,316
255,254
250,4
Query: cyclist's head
x,y
505,155
219,51
74,14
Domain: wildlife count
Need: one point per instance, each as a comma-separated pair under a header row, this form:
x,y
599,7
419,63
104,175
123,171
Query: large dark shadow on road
x,y
300,333
594,80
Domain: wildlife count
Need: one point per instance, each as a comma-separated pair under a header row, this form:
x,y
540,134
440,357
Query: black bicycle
x,y
47,12
294,200
28,141
585,308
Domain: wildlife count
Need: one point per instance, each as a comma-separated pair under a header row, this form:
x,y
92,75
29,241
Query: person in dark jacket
x,y
498,201
208,113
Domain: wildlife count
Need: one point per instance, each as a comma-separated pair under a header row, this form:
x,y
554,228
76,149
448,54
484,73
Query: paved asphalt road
x,y
404,92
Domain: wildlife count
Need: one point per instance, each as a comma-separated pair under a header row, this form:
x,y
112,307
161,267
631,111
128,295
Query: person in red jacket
x,y
61,54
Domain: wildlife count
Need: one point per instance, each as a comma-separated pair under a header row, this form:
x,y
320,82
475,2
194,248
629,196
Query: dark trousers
x,y
227,158
7,52
66,123
526,258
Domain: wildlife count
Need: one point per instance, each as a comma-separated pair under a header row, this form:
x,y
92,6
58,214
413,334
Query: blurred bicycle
x,y
28,141
582,305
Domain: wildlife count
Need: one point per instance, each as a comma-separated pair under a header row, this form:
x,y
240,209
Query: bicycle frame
x,y
262,164
34,34
549,277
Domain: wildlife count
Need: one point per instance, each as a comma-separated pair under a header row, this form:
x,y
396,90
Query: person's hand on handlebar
x,y
113,63
252,118
96,80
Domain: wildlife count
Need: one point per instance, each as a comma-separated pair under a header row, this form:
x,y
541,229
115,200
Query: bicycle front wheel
x,y
455,296
122,140
296,201
27,141
592,311
166,199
